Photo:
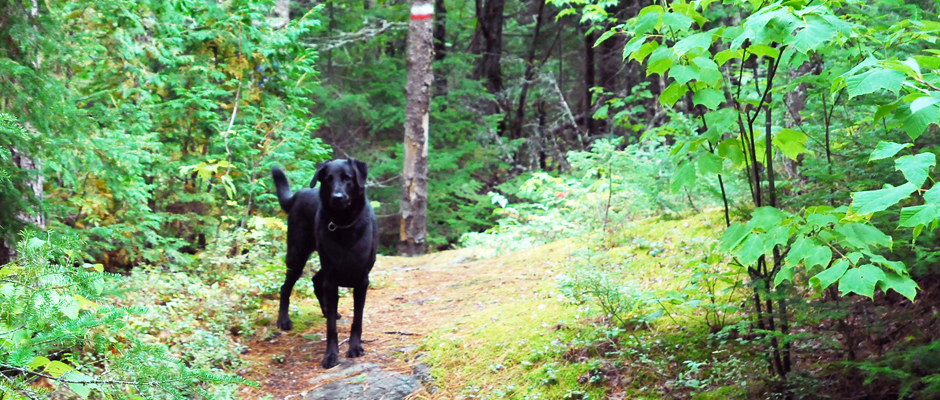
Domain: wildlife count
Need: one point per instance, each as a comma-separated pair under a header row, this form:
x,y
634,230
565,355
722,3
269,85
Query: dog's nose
x,y
339,196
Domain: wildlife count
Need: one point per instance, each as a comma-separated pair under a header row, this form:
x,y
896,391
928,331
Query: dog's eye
x,y
346,177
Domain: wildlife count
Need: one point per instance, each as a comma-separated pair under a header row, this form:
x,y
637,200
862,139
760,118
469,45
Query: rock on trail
x,y
362,381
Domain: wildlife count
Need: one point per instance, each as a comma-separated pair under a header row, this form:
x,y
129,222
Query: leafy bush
x,y
57,324
606,187
594,279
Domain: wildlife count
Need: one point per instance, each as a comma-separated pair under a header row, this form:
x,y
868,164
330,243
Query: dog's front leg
x,y
331,358
355,334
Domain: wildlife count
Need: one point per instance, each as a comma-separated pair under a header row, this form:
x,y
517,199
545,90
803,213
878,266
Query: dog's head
x,y
341,182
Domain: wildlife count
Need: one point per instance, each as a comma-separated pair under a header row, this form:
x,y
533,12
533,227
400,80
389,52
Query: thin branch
x,y
359,36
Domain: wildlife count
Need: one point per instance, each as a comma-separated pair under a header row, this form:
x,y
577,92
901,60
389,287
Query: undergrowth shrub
x,y
594,279
606,187
58,324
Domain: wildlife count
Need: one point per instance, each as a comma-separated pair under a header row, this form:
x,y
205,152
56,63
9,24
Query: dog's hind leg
x,y
318,289
355,335
296,259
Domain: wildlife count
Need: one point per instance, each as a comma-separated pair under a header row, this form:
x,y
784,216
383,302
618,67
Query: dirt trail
x,y
413,297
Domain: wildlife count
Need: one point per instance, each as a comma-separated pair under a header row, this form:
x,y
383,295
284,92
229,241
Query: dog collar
x,y
333,227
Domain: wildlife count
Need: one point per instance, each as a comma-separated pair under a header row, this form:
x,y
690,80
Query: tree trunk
x,y
414,196
440,45
516,130
281,15
487,43
24,162
589,125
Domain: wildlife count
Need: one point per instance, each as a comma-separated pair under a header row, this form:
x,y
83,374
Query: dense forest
x,y
745,190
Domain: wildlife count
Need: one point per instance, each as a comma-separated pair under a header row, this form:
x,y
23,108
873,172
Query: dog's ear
x,y
321,173
362,171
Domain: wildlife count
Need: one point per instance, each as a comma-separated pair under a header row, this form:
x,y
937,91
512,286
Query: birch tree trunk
x,y
414,195
281,15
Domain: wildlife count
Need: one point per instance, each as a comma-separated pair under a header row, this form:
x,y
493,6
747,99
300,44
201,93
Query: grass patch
x,y
631,314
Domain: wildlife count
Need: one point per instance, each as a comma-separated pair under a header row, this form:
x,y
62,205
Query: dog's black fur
x,y
337,221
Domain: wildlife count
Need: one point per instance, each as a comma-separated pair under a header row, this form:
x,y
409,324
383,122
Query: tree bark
x,y
414,196
281,15
487,43
516,130
589,126
34,184
440,45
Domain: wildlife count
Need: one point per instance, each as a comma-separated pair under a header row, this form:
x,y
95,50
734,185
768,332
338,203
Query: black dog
x,y
337,221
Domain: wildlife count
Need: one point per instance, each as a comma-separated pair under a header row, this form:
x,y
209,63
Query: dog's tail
x,y
284,195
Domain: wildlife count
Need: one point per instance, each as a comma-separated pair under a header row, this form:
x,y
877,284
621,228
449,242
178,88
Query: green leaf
x,y
921,103
709,70
605,36
645,23
684,177
861,280
633,45
897,267
791,142
874,79
814,31
34,243
886,109
809,252
701,40
785,274
778,236
863,236
709,163
710,98
919,215
904,285
765,50
914,124
831,275
719,122
660,61
916,168
751,249
932,196
57,368
673,93
733,236
676,21
684,73
887,149
723,56
766,218
731,150
872,201
644,51
70,307
38,362
82,389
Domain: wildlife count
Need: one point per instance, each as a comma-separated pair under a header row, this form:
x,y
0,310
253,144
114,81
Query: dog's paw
x,y
330,360
355,351
284,323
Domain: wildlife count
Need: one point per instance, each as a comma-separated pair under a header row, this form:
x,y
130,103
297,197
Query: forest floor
x,y
410,298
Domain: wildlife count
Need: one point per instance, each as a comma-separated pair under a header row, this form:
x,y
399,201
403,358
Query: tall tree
x,y
589,39
440,45
414,195
488,43
516,131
